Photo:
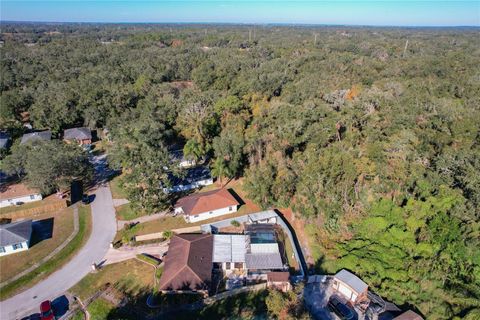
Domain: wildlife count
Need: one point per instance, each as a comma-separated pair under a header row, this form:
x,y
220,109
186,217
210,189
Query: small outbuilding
x,y
83,135
279,280
350,286
15,237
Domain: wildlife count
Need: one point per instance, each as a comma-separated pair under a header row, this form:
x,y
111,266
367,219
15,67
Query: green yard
x,y
98,310
116,188
45,269
130,276
126,212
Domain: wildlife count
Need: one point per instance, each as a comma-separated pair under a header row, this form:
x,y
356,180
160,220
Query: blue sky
x,y
386,12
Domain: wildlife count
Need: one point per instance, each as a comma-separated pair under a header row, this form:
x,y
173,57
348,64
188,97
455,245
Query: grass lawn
x,y
46,201
62,228
99,309
292,262
115,187
130,276
44,270
125,212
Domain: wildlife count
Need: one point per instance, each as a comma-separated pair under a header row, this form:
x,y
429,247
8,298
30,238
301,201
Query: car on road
x,y
343,311
46,310
85,199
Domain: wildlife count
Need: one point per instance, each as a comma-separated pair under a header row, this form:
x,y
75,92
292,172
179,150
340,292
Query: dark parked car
x,y
85,199
46,310
341,309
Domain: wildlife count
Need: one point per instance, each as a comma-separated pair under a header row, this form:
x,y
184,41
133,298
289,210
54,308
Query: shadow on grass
x,y
41,230
237,197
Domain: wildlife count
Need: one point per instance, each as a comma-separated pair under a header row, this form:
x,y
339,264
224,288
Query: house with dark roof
x,y
82,136
15,237
350,286
194,177
36,136
206,205
4,140
188,263
17,193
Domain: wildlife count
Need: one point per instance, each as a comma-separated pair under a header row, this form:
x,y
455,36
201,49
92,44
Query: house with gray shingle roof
x,y
36,136
82,136
15,237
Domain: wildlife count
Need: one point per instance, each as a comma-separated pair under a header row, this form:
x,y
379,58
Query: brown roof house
x,y
83,135
206,205
16,194
188,263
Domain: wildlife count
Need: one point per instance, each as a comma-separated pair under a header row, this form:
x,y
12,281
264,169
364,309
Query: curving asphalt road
x,y
103,232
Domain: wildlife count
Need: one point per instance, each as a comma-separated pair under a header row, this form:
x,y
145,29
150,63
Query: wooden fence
x,y
52,207
159,235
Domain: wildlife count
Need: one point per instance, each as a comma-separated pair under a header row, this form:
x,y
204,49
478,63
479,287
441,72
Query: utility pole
x,y
405,49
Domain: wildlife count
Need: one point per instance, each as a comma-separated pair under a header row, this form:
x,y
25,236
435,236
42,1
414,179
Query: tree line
x,y
373,143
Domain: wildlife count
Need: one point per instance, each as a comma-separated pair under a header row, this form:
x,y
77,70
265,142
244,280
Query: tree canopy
x,y
375,145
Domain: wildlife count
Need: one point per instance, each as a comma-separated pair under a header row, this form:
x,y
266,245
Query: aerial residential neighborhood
x,y
189,160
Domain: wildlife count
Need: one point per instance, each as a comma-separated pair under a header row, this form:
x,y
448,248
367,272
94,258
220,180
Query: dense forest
x,y
371,135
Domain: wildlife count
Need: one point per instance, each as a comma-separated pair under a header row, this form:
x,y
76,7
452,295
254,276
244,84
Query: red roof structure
x,y
206,201
188,263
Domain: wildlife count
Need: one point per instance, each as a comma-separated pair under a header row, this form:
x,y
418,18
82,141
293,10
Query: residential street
x,y
103,232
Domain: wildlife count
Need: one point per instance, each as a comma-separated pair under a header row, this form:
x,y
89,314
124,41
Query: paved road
x,y
103,232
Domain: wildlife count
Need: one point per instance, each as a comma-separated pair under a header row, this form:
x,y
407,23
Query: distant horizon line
x,y
243,24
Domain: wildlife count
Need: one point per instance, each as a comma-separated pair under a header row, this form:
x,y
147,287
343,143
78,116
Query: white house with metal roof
x,y
350,286
15,237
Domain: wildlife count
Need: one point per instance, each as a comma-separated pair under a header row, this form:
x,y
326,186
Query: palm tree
x,y
193,150
220,169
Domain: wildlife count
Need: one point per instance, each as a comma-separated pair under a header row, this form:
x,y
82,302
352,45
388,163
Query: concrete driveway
x,y
103,233
126,253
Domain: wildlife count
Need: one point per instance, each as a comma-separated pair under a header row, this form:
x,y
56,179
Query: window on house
x,y
2,249
17,246
227,265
